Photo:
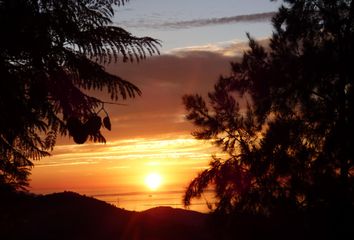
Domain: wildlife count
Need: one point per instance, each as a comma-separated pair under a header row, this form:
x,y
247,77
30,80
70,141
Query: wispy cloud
x,y
257,17
201,22
234,49
179,151
61,164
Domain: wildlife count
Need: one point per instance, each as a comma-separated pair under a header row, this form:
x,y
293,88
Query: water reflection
x,y
140,201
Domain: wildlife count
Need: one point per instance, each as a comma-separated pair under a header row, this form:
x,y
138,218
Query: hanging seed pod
x,y
77,130
74,125
107,123
81,136
93,124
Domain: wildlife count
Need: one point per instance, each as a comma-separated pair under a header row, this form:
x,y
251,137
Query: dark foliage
x,y
52,54
284,121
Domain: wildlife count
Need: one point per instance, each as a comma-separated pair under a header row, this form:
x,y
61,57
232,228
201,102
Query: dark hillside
x,y
69,215
169,223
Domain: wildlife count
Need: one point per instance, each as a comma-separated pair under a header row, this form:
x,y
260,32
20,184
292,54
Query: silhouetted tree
x,y
284,119
51,56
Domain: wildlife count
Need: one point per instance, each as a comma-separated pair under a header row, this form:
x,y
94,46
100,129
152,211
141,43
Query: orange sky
x,y
148,135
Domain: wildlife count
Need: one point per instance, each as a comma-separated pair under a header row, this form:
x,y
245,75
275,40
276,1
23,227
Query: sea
x,y
141,201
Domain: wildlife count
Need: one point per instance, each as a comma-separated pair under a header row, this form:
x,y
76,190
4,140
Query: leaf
x,y
107,123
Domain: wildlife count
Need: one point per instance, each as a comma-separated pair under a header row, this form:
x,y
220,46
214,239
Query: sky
x,y
189,23
149,133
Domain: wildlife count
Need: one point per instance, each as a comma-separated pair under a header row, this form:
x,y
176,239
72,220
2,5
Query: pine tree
x,y
284,119
52,53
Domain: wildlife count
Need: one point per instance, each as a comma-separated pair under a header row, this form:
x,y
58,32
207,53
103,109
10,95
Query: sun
x,y
153,181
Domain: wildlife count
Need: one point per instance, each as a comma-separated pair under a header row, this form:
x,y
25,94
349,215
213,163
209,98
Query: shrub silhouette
x,y
52,54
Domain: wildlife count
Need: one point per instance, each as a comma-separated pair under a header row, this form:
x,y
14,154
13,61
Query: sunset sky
x,y
150,135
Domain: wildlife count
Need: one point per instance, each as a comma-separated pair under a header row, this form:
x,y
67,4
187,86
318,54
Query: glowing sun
x,y
153,181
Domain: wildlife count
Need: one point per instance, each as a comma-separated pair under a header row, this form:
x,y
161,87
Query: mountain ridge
x,y
69,215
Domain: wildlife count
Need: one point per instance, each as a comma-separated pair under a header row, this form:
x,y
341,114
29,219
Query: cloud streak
x,y
255,17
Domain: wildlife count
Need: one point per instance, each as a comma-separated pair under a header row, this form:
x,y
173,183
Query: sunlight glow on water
x,y
140,201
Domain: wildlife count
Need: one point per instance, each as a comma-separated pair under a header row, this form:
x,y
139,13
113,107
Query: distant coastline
x,y
141,201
